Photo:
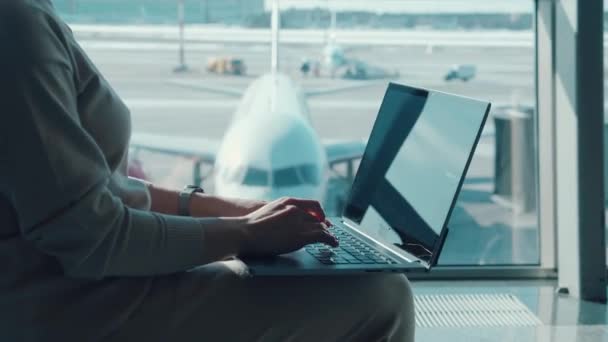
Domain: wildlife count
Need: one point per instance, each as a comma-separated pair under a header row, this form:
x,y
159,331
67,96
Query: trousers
x,y
219,302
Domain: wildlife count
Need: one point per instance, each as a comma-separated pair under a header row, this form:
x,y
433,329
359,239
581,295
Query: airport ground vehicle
x,y
360,70
226,66
463,72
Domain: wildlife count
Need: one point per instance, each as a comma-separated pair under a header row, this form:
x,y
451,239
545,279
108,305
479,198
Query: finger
x,y
321,236
310,206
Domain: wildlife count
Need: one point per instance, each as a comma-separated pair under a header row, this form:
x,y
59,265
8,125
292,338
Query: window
x,y
478,48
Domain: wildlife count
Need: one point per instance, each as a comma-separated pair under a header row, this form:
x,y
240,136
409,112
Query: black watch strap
x,y
183,201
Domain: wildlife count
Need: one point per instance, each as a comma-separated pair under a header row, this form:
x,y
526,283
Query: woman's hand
x,y
284,226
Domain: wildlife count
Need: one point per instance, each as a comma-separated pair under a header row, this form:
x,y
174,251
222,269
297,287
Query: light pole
x,y
181,67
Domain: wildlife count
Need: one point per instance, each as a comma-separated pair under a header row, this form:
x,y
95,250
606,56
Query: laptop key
x,y
340,261
351,251
353,260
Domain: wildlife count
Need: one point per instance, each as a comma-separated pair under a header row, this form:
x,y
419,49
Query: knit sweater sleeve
x,y
56,176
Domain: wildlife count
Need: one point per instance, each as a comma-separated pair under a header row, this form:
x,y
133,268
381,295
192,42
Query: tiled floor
x,y
570,333
564,319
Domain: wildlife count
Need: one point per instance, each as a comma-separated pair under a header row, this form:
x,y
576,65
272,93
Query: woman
x,y
89,254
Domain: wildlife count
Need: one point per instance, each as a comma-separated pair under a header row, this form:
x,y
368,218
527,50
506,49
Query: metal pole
x,y
274,23
181,67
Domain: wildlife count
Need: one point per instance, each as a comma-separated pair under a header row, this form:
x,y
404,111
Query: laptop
x,y
396,215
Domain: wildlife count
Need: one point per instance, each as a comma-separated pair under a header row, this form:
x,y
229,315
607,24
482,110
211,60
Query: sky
x,y
415,6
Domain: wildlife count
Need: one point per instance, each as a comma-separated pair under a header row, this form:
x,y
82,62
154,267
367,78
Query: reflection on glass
x,y
416,157
429,165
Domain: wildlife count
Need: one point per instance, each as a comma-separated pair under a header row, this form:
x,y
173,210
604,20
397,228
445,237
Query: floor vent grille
x,y
470,310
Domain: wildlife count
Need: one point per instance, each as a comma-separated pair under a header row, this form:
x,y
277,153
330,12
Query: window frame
x,y
544,37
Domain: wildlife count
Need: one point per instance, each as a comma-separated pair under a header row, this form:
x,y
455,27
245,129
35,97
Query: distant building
x,y
231,12
414,6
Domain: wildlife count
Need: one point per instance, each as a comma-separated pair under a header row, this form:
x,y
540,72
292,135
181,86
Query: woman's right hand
x,y
284,225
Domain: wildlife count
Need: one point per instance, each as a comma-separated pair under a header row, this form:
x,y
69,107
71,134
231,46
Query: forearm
x,y
165,201
160,245
97,236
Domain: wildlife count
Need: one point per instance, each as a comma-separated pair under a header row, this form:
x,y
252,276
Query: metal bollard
x,y
515,158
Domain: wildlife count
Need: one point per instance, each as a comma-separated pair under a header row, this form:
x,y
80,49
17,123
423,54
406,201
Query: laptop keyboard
x,y
352,250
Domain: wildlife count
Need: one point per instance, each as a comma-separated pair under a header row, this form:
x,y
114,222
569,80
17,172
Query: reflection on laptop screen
x,y
412,168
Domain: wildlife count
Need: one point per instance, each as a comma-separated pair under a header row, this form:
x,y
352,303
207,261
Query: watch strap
x,y
183,201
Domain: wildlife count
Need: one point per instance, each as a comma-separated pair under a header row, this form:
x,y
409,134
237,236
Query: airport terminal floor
x,y
505,311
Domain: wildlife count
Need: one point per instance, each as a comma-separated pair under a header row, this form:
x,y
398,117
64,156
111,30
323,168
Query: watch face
x,y
194,188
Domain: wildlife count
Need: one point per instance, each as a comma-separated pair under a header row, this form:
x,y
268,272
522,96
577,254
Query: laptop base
x,y
300,263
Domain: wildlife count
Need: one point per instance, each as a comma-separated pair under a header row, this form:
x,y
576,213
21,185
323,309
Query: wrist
x,y
224,237
203,205
238,225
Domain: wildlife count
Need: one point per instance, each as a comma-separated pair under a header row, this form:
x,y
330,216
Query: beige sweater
x,y
78,246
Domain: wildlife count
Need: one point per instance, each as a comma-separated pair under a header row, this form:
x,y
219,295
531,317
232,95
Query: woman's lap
x,y
218,302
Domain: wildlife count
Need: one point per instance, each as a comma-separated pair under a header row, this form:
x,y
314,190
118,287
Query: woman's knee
x,y
386,304
390,295
395,294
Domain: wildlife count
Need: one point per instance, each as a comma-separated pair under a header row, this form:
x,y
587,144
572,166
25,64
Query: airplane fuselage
x,y
270,149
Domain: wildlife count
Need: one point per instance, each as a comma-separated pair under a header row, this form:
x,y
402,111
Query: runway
x,y
482,230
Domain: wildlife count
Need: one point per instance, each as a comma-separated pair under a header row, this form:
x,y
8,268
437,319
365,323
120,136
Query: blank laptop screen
x,y
413,166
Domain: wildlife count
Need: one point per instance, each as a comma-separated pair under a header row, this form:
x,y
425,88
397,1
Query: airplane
x,y
336,62
334,56
270,148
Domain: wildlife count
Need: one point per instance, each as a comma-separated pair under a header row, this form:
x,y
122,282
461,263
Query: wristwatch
x,y
183,200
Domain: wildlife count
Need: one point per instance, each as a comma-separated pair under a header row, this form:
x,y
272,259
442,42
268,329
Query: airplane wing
x,y
192,147
340,151
333,90
197,85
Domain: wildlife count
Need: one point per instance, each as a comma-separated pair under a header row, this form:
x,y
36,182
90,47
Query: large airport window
x,y
210,97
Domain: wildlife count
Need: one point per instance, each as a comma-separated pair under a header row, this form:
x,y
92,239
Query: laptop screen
x,y
413,167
